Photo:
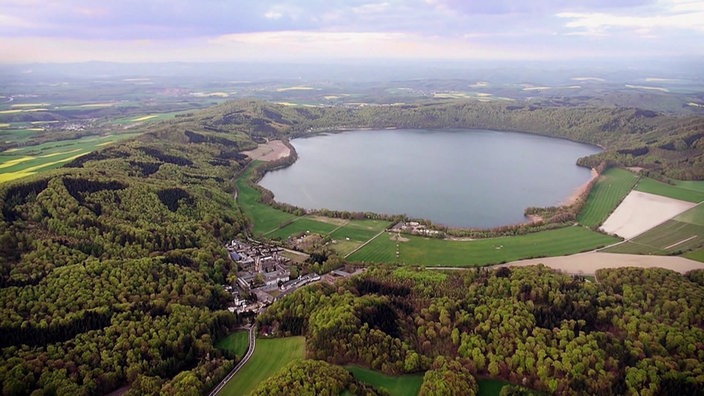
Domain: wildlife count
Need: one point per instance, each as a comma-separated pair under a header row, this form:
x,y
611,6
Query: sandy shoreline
x,y
579,191
271,151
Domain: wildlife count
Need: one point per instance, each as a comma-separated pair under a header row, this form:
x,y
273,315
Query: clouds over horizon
x,y
154,30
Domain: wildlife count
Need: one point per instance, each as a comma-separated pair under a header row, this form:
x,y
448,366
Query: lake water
x,y
461,178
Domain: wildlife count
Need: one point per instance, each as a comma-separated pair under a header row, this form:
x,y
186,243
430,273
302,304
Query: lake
x,y
459,178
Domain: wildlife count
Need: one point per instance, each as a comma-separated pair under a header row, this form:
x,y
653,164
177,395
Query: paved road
x,y
250,351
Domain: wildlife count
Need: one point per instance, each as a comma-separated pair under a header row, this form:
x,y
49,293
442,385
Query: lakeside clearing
x,y
271,151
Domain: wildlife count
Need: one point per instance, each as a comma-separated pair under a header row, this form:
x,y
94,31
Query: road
x,y
250,352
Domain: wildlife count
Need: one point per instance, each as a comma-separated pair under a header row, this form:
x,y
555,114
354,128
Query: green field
x,y
490,387
609,190
302,225
409,385
403,385
683,233
277,224
269,357
417,250
265,218
25,161
692,191
236,342
697,255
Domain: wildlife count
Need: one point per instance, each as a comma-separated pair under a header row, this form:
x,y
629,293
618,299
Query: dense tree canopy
x,y
636,331
110,268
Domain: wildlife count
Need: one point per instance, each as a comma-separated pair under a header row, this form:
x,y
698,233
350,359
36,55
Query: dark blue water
x,y
462,178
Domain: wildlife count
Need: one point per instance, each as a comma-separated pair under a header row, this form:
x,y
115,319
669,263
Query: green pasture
x,y
697,255
692,191
683,233
28,160
302,225
17,134
609,190
237,343
695,185
265,219
417,250
403,385
270,356
408,385
277,224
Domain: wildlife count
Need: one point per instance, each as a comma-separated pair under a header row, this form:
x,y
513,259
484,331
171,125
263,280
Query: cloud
x,y
234,29
669,16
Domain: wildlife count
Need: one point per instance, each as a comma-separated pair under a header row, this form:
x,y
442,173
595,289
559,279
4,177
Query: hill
x,y
111,267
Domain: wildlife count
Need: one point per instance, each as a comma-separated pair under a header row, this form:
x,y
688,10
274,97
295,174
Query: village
x,y
264,273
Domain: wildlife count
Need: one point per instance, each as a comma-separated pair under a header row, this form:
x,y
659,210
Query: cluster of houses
x,y
263,271
415,228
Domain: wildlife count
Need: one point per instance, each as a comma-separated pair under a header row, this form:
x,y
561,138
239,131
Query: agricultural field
x,y
683,233
606,194
237,343
415,250
270,355
28,160
690,191
134,119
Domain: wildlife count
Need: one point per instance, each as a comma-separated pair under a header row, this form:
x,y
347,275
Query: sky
x,y
324,30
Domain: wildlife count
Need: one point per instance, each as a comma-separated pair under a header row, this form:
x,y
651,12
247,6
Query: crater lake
x,y
458,178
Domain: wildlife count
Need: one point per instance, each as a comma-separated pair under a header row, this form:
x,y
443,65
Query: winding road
x,y
250,352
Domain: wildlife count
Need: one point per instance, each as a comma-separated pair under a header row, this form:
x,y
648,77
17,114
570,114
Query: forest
x,y
635,331
111,268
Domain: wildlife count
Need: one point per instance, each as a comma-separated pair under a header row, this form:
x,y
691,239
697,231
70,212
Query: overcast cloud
x,y
298,30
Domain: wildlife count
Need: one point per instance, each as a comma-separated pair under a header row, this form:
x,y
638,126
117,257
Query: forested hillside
x,y
665,145
110,267
636,331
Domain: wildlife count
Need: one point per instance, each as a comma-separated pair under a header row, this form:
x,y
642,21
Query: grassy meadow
x,y
403,385
237,343
270,355
265,219
406,385
610,189
415,250
690,191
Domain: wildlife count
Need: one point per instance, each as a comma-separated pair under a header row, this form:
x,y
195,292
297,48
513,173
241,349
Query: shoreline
x,y
279,149
579,191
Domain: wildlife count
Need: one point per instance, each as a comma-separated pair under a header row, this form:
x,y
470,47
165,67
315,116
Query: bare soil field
x,y
271,151
588,263
640,212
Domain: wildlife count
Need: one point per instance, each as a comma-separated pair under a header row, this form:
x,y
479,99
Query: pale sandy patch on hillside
x,y
588,263
640,212
272,150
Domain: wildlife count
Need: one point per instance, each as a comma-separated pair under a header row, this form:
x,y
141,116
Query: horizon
x,y
294,31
